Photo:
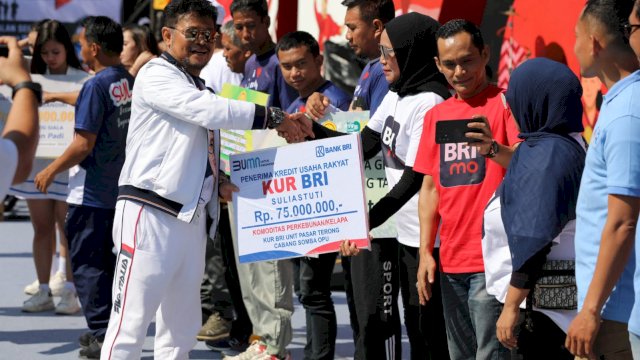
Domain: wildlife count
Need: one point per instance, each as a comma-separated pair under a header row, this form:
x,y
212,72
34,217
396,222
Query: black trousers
x,y
425,324
241,327
371,285
315,297
546,341
89,231
214,294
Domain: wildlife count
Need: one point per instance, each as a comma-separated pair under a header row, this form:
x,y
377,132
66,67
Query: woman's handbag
x,y
556,288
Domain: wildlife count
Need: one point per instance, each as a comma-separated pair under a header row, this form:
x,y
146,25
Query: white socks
x,y
62,265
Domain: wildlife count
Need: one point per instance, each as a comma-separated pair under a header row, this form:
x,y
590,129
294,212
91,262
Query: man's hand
x,y
226,190
485,137
295,128
426,277
506,325
582,334
316,105
348,248
44,179
12,68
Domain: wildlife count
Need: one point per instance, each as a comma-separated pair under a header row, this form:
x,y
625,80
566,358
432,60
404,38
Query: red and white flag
x,y
512,54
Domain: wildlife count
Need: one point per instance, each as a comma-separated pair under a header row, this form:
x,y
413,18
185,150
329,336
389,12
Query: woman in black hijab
x,y
408,47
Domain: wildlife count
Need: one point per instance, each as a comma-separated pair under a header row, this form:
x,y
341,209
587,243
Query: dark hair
x,y
52,30
612,14
298,39
144,39
258,6
383,10
176,9
456,26
105,32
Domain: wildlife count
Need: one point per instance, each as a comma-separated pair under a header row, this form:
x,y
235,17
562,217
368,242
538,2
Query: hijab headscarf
x,y
540,190
413,37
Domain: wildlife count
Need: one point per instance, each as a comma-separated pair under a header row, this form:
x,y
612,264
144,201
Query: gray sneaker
x,y
40,301
215,328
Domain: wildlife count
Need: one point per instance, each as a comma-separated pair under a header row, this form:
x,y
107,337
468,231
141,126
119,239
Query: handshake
x,y
294,127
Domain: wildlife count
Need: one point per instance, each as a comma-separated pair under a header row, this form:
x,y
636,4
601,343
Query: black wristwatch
x,y
33,86
275,117
493,150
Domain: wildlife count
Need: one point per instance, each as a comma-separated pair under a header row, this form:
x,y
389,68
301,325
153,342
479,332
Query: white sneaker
x,y
56,283
32,288
68,304
41,301
256,349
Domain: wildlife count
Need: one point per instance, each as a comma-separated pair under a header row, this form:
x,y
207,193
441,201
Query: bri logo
x,y
319,151
120,92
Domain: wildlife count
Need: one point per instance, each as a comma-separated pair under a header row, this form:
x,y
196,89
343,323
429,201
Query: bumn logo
x,y
244,164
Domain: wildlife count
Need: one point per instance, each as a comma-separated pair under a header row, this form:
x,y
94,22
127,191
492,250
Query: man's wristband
x,y
493,150
33,86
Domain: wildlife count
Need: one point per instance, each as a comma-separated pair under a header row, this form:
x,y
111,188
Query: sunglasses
x,y
629,29
192,34
386,52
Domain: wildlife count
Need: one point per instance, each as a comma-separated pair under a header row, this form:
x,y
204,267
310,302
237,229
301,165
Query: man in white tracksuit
x,y
165,183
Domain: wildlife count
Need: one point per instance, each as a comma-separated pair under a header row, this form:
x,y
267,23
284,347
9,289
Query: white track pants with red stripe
x,y
158,273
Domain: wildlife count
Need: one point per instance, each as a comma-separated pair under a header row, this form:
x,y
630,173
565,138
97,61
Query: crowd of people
x,y
517,243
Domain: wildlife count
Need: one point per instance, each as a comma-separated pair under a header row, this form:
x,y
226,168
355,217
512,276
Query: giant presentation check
x,y
301,199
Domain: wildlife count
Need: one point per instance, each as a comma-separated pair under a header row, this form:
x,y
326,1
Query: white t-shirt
x,y
8,164
399,122
217,72
497,257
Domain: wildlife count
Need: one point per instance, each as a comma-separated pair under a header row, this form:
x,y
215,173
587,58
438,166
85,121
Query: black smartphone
x,y
452,131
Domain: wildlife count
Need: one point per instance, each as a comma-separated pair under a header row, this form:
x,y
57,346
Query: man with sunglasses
x,y
166,181
609,198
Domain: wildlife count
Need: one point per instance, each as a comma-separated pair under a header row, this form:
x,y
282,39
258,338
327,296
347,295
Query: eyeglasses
x,y
629,29
386,52
191,34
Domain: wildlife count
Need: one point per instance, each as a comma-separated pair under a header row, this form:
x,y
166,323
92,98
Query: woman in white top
x,y
53,55
532,218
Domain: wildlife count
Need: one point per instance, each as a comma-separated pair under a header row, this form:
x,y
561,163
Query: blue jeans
x,y
635,345
470,316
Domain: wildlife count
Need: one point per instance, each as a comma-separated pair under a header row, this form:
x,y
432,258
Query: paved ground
x,y
49,336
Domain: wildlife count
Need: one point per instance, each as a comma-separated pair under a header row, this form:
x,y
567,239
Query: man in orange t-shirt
x,y
459,180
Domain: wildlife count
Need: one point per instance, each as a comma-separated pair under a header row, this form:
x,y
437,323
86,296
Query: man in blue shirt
x,y
609,199
261,72
371,279
301,62
633,35
96,155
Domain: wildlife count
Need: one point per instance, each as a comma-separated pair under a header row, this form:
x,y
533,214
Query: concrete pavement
x,y
49,336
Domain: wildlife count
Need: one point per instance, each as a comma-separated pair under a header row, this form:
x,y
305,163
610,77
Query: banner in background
x,y
16,17
57,120
300,199
239,141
